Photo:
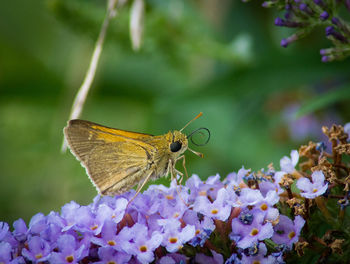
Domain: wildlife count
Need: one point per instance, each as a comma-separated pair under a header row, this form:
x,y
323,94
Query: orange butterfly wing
x,y
114,159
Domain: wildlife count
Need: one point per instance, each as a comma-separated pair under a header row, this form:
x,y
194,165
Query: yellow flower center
x,y
169,197
254,232
291,235
264,207
70,259
314,190
202,193
173,240
143,248
214,211
94,227
111,242
39,256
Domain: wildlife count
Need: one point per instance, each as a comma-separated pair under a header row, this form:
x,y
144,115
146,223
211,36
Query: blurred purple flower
x,y
300,127
324,16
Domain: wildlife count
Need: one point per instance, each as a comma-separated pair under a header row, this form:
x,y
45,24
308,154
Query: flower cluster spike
x,y
306,15
247,217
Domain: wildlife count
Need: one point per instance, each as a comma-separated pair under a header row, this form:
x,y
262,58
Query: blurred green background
x,y
220,57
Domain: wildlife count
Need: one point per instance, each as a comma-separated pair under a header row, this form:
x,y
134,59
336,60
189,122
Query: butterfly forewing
x,y
114,159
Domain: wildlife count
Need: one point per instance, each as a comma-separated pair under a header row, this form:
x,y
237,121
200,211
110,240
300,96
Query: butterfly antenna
x,y
199,115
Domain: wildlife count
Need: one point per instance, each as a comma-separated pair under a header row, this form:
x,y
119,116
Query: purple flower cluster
x,y
212,221
305,15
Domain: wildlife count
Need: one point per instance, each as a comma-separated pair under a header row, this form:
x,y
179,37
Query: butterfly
x,y
116,160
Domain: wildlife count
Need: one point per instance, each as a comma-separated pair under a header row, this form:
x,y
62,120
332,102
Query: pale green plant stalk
x,y
90,74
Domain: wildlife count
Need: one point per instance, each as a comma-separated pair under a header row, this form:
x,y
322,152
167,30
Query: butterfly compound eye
x,y
175,146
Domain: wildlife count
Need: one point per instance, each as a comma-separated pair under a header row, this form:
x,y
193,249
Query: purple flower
x,y
341,25
279,22
317,187
246,233
38,250
324,16
84,219
215,259
287,232
217,209
330,31
249,197
69,250
257,255
37,224
287,23
4,230
110,255
108,236
54,225
5,252
148,202
173,258
6,235
203,227
208,188
288,164
236,179
233,259
285,42
174,237
266,206
138,242
347,130
20,230
174,204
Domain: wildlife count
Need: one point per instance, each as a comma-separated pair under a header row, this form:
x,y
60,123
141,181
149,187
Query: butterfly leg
x,y
184,166
173,172
139,188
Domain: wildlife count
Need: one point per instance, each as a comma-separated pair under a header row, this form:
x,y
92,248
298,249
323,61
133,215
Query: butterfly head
x,y
178,143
